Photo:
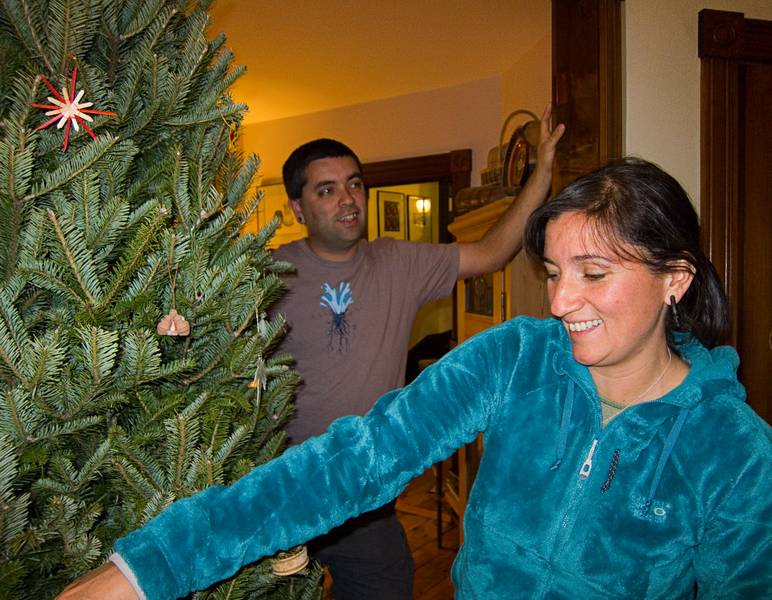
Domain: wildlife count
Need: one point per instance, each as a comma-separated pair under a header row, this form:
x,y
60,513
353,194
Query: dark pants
x,y
368,557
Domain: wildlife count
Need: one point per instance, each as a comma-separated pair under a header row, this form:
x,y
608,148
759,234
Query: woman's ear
x,y
678,280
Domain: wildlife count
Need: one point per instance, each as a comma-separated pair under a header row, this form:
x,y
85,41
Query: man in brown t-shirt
x,y
350,308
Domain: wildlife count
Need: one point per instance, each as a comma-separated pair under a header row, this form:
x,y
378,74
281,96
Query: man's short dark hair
x,y
294,169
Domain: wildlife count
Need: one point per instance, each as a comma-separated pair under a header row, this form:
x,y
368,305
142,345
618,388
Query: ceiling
x,y
314,55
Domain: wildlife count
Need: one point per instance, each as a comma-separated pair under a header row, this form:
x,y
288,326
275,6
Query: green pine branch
x,y
27,22
78,260
99,350
133,257
13,338
41,362
73,166
205,117
70,27
130,74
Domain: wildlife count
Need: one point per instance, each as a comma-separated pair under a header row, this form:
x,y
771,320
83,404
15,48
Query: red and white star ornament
x,y
68,109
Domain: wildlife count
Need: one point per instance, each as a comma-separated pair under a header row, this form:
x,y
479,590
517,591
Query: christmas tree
x,y
137,364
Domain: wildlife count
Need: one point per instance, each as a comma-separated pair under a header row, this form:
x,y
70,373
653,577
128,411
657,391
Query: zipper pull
x,y
584,471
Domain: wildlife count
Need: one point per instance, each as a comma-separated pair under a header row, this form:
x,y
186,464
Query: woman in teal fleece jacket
x,y
620,458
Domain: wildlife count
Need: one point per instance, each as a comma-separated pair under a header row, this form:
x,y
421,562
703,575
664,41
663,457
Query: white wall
x,y
527,84
441,120
662,78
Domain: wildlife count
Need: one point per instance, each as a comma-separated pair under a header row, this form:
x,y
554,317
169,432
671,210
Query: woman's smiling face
x,y
613,308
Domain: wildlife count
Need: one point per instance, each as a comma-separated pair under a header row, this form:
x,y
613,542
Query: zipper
x,y
586,468
570,514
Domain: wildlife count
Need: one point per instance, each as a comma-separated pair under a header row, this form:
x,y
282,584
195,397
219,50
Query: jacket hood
x,y
711,373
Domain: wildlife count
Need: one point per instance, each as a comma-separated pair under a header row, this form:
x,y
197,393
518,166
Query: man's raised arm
x,y
502,241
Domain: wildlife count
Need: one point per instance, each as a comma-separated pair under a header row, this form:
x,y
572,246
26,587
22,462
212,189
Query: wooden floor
x,y
417,511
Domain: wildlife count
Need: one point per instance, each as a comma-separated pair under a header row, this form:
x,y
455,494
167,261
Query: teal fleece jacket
x,y
672,494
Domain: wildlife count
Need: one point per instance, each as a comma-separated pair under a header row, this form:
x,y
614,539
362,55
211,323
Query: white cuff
x,y
126,571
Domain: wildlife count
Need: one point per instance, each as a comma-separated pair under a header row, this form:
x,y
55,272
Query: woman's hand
x,y
104,583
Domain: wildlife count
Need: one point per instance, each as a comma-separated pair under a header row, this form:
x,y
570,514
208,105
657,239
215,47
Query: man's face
x,y
333,206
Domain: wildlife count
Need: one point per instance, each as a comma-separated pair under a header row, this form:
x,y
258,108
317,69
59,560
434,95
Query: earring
x,y
300,220
674,313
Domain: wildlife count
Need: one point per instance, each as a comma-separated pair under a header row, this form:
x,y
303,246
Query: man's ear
x,y
297,210
678,279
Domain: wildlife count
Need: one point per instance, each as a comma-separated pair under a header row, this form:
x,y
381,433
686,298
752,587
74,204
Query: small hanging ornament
x,y
68,109
260,380
173,324
233,136
262,324
290,562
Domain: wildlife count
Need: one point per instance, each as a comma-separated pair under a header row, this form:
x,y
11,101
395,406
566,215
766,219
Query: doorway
x,y
735,207
451,170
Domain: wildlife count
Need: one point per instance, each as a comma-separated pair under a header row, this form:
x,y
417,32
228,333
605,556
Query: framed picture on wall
x,y
391,215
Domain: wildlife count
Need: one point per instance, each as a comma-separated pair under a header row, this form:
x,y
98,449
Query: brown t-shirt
x,y
350,322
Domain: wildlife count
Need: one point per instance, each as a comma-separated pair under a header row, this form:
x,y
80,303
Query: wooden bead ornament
x,y
290,562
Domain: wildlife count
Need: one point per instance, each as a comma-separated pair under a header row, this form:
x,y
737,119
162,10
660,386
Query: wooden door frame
x,y
453,171
586,85
725,38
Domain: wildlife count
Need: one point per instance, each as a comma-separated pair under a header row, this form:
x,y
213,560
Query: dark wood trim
x,y
729,35
586,85
444,215
720,176
454,166
735,151
726,40
610,25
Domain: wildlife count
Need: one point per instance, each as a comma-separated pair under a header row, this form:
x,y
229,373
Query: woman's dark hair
x,y
642,213
294,169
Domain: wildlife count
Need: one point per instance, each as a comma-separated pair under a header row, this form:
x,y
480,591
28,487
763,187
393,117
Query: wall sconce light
x,y
423,207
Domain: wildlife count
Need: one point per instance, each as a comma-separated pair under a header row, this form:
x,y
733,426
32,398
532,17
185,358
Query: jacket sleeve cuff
x,y
145,566
126,571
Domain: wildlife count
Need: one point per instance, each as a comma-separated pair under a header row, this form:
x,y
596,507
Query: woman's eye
x,y
551,276
594,276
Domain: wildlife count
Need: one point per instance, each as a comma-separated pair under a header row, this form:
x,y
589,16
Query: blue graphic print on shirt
x,y
337,300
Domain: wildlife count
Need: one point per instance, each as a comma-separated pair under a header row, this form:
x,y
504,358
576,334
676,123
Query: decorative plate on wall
x,y
516,162
520,154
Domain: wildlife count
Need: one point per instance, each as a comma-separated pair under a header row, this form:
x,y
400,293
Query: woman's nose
x,y
563,296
